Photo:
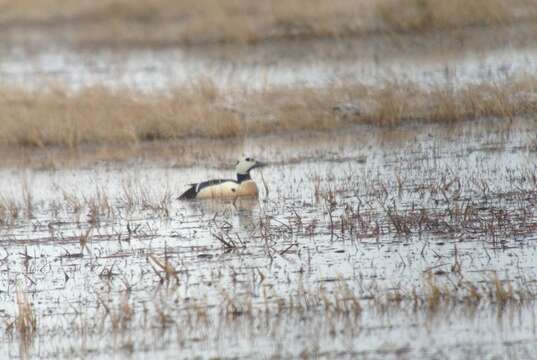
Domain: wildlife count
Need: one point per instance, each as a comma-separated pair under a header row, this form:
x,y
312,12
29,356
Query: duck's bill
x,y
259,164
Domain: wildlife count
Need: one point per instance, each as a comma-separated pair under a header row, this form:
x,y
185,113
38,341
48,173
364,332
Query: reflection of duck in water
x,y
239,211
227,188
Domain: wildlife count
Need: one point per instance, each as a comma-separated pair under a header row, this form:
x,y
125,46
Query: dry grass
x,y
56,117
25,320
165,22
158,290
424,15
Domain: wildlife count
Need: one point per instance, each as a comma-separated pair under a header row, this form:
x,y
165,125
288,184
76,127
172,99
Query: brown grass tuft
x,y
423,15
165,22
97,115
25,320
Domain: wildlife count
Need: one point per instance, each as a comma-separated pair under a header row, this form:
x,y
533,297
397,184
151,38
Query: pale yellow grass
x,y
25,320
97,115
165,22
423,15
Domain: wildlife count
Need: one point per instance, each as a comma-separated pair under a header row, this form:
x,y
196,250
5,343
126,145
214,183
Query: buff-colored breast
x,y
247,188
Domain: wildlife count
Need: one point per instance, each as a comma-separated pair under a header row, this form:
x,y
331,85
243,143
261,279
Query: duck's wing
x,y
194,189
189,194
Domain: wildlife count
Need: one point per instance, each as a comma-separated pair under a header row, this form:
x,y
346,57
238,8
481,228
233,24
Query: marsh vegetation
x,y
396,218
96,115
383,244
166,22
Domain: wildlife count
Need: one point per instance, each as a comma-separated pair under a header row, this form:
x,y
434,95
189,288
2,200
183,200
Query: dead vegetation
x,y
166,22
56,117
340,300
361,252
206,280
431,15
25,318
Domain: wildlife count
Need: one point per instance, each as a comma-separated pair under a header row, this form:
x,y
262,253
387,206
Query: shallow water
x,y
364,242
326,230
459,58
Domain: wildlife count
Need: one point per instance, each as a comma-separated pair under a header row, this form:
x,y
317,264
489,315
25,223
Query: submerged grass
x,y
263,273
97,115
170,312
165,22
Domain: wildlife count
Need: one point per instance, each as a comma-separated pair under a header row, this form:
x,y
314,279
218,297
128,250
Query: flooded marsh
x,y
396,219
398,245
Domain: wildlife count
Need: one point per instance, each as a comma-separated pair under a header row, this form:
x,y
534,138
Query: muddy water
x,y
478,54
274,293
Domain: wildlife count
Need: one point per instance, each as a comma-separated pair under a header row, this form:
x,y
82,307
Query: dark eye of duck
x,y
249,159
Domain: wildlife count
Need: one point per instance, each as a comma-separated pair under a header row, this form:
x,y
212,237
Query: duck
x,y
227,188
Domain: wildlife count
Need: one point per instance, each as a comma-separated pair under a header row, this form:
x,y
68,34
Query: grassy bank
x,y
166,22
97,115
